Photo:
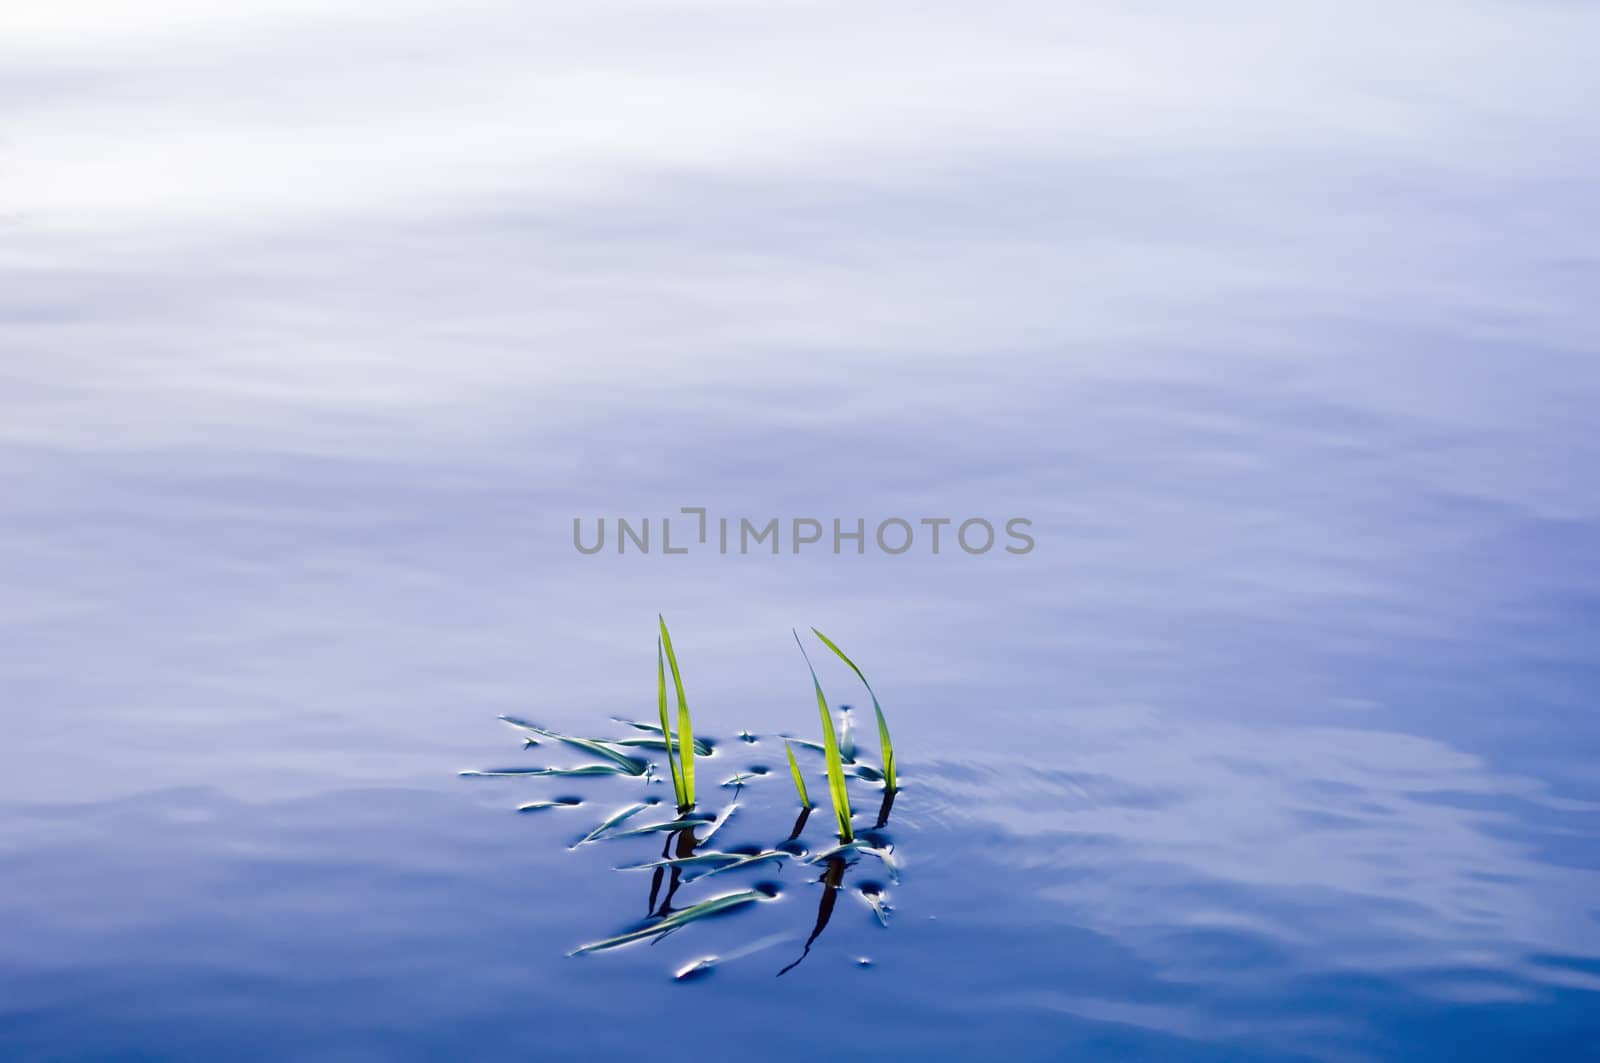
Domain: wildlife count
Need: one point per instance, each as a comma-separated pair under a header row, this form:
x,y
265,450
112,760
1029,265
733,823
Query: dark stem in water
x,y
883,809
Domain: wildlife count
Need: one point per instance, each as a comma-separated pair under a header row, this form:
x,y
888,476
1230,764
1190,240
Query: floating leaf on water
x,y
701,745
612,820
682,917
630,765
721,820
744,861
697,860
867,772
521,725
636,742
655,828
837,850
815,747
586,769
535,806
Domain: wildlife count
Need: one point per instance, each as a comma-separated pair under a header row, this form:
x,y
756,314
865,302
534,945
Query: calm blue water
x,y
320,329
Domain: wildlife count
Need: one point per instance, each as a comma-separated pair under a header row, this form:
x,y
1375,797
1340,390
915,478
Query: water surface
x,y
320,328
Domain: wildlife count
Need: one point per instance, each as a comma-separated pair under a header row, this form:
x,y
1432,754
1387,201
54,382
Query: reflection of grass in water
x,y
686,857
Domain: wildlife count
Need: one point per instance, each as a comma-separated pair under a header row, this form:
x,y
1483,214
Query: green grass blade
x,y
685,761
799,780
830,745
666,725
884,741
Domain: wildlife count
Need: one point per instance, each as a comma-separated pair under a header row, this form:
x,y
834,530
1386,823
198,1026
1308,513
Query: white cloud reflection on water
x,y
1342,849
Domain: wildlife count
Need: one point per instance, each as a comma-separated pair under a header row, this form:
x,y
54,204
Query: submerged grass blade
x,y
682,917
837,850
799,780
685,762
666,725
830,746
884,741
867,772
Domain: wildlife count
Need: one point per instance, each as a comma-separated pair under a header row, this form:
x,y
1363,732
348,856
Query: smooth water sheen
x,y
319,324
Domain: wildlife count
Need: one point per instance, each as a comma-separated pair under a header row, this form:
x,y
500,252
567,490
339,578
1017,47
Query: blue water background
x,y
318,332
